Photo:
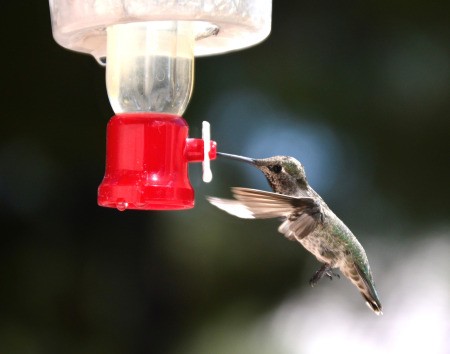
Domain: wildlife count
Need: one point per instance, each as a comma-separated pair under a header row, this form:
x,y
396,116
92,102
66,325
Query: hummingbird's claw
x,y
324,270
330,274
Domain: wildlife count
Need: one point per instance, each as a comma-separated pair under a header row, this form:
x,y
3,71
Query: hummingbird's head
x,y
285,174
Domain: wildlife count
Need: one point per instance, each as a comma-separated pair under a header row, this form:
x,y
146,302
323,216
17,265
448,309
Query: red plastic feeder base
x,y
147,157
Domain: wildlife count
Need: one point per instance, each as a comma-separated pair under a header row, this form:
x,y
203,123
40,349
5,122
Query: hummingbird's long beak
x,y
237,158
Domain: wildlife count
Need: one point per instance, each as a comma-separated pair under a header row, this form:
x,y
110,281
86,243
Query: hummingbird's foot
x,y
324,270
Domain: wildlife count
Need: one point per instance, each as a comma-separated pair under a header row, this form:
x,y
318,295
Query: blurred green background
x,y
359,92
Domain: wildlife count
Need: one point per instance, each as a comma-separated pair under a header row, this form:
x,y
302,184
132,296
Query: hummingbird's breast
x,y
326,249
331,242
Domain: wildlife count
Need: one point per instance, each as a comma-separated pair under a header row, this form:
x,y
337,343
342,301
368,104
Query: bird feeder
x,y
148,48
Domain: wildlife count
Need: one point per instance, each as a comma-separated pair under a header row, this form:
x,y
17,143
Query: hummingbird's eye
x,y
275,168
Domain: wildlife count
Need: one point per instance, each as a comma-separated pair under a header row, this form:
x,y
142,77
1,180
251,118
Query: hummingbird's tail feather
x,y
374,304
368,291
365,285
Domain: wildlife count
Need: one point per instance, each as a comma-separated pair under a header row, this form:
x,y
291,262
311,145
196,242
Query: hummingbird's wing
x,y
301,213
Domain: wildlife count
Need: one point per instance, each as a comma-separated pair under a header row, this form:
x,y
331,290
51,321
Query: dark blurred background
x,y
359,92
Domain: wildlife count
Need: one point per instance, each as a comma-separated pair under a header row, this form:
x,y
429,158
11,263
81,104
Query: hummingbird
x,y
306,218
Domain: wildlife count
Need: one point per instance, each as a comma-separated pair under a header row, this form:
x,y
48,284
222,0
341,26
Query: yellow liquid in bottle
x,y
150,69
